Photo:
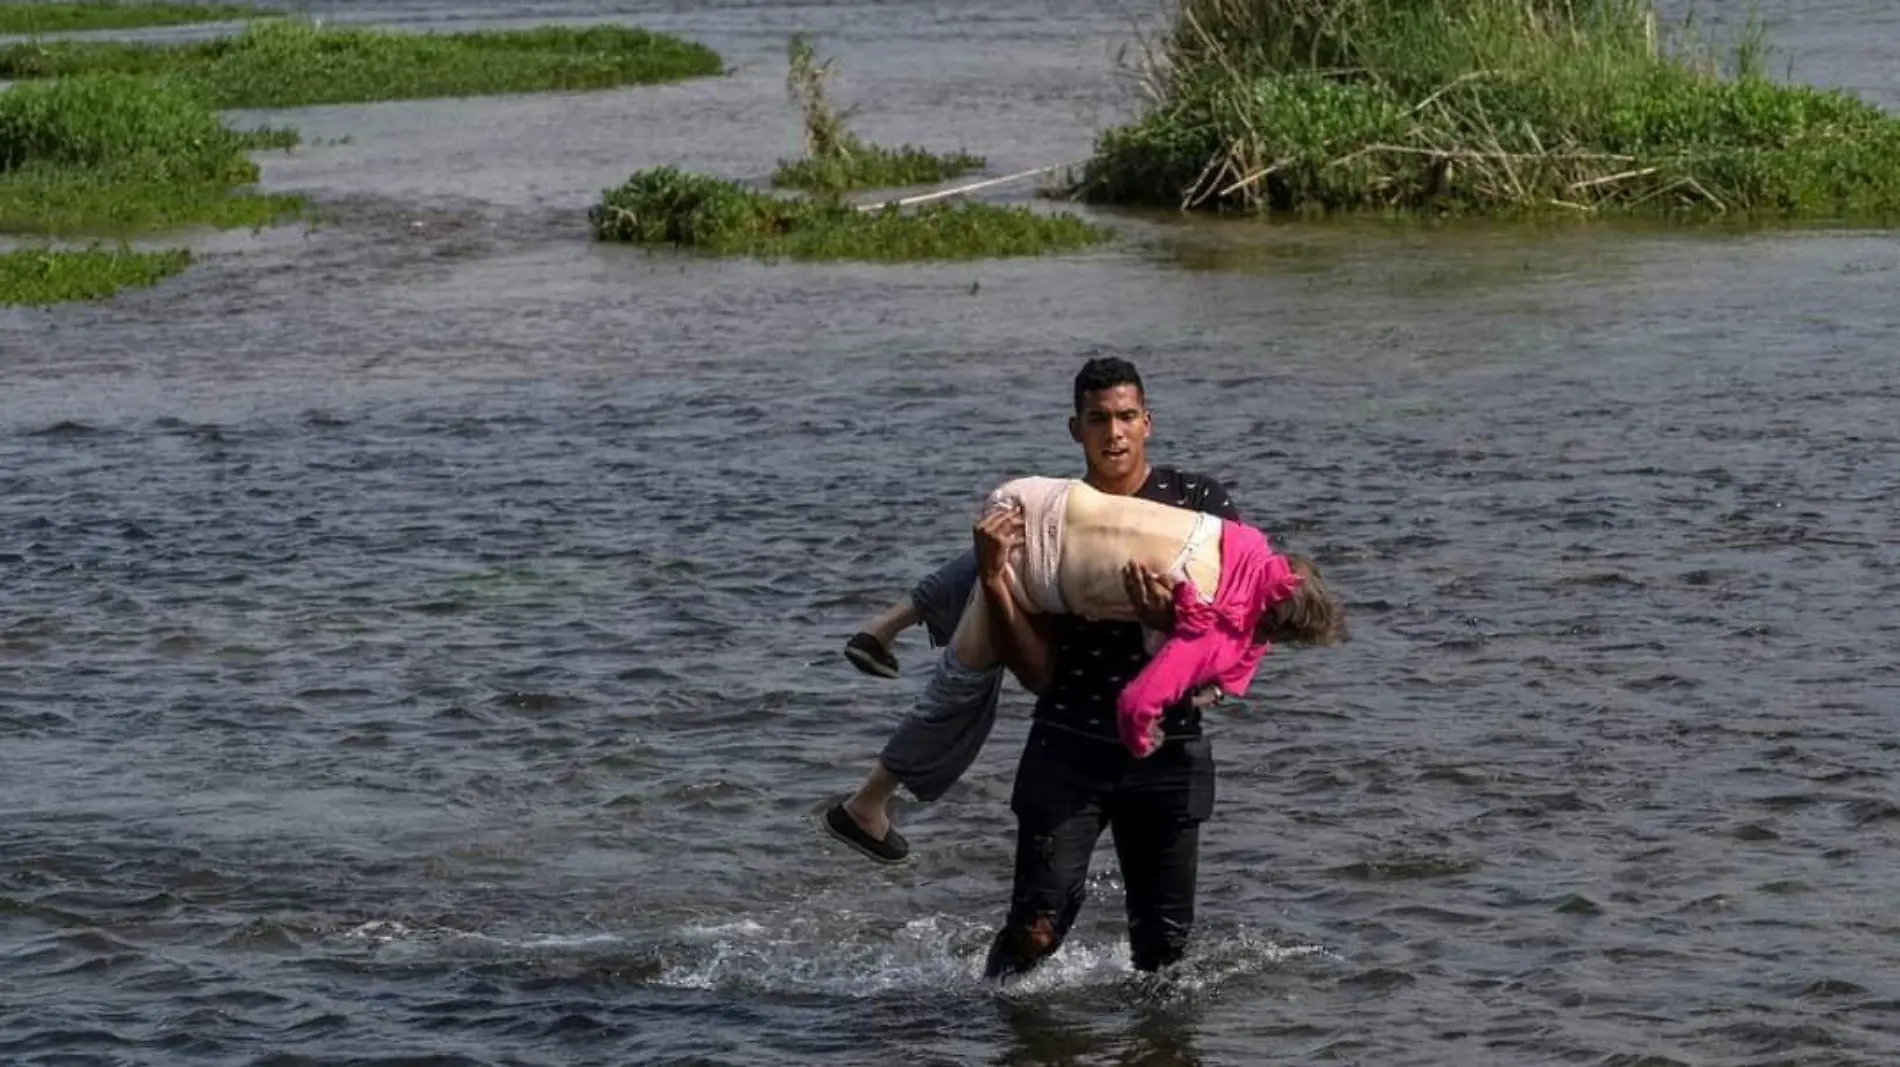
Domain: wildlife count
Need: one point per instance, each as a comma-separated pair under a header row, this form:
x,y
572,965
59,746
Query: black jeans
x,y
1068,788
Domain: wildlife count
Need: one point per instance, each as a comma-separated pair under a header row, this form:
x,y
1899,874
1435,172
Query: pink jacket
x,y
1211,642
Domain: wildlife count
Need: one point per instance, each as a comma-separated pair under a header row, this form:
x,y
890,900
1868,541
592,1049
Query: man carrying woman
x,y
1083,769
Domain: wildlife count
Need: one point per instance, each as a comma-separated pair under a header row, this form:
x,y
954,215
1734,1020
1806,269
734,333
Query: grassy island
x,y
288,63
33,17
44,276
112,155
1483,106
116,139
665,207
836,160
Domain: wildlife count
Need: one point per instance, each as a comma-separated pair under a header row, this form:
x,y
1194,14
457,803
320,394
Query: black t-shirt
x,y
1093,660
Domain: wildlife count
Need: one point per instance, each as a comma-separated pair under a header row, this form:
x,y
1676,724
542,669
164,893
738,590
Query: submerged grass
x,y
665,207
836,161
32,16
46,276
1483,106
292,64
66,202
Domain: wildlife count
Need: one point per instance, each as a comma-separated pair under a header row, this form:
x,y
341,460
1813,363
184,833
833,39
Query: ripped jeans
x,y
1068,788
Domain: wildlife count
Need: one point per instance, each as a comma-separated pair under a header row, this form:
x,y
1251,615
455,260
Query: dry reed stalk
x,y
825,133
969,187
1608,179
1470,154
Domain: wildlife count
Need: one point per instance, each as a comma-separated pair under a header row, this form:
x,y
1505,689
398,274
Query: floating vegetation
x,y
31,16
111,154
665,207
290,63
48,276
836,161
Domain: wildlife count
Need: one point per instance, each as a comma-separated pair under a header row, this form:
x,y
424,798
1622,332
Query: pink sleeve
x,y
1184,661
1237,676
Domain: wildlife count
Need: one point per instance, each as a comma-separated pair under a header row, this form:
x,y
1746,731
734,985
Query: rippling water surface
x,y
419,635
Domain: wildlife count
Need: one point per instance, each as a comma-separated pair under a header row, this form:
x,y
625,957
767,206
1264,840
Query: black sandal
x,y
869,655
839,824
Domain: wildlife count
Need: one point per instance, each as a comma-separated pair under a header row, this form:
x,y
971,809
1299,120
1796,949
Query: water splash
x,y
938,953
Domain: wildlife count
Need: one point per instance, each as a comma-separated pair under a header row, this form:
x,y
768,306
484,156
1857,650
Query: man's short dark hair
x,y
1106,372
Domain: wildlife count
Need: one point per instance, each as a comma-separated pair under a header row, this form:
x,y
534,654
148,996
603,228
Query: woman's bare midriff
x,y
1101,532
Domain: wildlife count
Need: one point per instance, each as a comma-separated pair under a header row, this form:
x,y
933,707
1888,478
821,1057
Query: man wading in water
x,y
932,749
1075,776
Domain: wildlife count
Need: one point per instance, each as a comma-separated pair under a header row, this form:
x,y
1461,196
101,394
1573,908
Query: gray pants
x,y
939,740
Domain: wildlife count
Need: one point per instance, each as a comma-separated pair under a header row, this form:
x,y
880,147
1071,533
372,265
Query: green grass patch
x,y
31,16
45,276
69,202
1501,107
873,167
665,207
836,161
290,63
113,154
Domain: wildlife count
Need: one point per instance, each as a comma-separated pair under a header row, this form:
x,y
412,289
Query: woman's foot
x,y
870,655
872,835
869,650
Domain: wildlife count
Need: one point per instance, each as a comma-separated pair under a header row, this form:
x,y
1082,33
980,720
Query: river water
x,y
419,640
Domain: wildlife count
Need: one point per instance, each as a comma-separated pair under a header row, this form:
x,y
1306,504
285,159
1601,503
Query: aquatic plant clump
x,y
38,277
114,154
117,122
836,160
64,202
33,16
667,207
291,63
1495,106
873,167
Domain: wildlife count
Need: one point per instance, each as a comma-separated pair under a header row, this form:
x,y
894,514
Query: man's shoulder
x,y
1190,489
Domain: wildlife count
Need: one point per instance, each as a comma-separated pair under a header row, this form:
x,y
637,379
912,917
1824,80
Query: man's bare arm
x,y
1020,643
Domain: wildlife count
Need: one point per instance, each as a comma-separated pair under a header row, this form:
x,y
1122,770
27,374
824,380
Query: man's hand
x,y
1152,595
998,535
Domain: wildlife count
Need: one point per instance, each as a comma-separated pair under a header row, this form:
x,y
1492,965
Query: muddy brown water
x,y
418,636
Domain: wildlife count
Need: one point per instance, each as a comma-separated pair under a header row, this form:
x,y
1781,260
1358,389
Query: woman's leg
x,y
935,745
936,601
939,739
970,644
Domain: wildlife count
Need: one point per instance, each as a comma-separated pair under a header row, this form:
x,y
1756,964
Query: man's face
x,y
1112,428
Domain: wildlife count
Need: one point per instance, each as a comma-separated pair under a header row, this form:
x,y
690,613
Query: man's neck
x,y
1128,486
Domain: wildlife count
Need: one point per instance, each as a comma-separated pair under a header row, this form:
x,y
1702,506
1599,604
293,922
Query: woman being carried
x,y
1234,597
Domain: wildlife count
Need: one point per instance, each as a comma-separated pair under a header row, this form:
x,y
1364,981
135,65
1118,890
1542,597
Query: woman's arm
x,y
1197,657
1180,668
1020,644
